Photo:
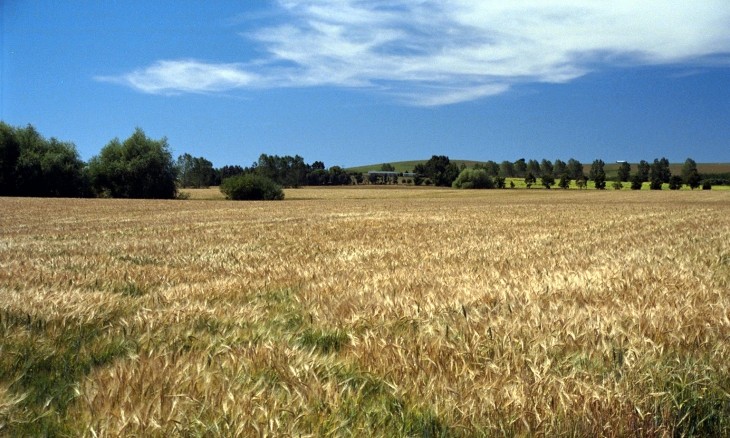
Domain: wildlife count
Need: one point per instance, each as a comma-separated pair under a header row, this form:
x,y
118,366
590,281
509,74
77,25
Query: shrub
x,y
473,179
656,184
251,187
675,182
617,185
706,185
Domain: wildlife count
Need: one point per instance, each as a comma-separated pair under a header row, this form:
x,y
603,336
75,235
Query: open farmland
x,y
361,311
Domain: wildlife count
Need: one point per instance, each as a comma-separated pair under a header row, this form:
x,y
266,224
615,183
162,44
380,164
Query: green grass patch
x,y
44,361
324,341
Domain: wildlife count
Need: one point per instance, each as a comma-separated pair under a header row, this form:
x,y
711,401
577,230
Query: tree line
x,y
440,171
142,167
138,167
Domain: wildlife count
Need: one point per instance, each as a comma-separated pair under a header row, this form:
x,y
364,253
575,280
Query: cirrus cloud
x,y
431,53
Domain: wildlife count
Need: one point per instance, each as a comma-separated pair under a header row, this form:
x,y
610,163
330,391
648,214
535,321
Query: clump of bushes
x,y
251,187
473,179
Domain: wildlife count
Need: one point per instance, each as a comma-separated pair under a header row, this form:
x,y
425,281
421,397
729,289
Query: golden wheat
x,y
356,311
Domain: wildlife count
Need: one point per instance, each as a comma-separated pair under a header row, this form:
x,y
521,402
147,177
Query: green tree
x,y
636,182
473,179
659,170
559,168
690,176
546,167
530,179
139,167
439,169
251,187
655,184
547,180
643,171
575,169
581,182
675,182
492,168
624,171
286,171
520,168
387,167
564,181
533,167
598,174
9,154
617,185
507,169
194,171
41,167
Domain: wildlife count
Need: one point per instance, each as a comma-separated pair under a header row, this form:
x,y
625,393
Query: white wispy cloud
x,y
185,76
429,52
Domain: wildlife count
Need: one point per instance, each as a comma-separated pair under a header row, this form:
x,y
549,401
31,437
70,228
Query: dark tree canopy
x,y
575,169
690,175
636,182
530,180
194,171
564,181
546,167
507,169
675,182
439,169
642,171
520,168
31,165
139,167
559,168
533,167
598,174
547,180
624,171
659,170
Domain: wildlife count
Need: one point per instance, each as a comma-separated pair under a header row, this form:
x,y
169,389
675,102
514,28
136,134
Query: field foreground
x,y
359,311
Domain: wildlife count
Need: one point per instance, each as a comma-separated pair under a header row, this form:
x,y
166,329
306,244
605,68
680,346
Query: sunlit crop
x,y
361,311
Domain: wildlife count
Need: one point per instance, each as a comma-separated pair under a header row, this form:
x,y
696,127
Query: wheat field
x,y
367,312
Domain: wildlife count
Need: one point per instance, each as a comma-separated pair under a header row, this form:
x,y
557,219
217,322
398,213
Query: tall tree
x,y
492,168
506,169
9,154
139,167
42,167
546,167
194,171
547,180
598,174
624,171
642,171
575,169
533,167
659,170
690,175
564,181
559,168
520,168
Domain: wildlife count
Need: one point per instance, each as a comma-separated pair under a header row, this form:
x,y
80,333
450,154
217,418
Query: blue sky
x,y
353,82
